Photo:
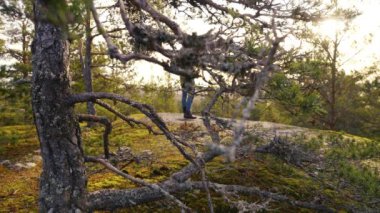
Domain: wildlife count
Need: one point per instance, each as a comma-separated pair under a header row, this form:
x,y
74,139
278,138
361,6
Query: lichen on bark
x,y
63,180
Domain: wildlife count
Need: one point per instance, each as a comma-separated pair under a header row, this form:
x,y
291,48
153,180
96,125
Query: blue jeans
x,y
187,100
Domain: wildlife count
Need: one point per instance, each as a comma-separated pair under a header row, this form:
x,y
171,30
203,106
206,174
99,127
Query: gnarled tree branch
x,y
129,120
161,191
108,128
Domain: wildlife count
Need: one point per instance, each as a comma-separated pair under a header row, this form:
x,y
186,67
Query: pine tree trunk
x,y
63,180
334,73
87,75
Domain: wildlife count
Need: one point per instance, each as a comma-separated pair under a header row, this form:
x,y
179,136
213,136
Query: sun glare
x,y
330,27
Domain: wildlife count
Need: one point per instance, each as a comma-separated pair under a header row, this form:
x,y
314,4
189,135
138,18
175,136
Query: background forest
x,y
313,91
310,89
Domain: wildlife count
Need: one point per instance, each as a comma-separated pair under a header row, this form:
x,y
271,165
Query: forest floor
x,y
333,169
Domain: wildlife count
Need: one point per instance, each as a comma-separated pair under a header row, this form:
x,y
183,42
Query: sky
x,y
365,25
357,51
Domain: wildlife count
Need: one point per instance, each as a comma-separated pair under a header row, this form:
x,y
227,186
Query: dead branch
x,y
108,128
138,181
111,199
144,5
263,77
206,120
129,120
288,151
145,109
114,51
254,191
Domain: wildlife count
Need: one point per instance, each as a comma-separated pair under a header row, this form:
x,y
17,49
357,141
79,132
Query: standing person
x,y
188,91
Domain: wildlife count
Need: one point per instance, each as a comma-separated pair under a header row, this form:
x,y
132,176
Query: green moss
x,y
108,181
330,193
17,141
344,157
19,190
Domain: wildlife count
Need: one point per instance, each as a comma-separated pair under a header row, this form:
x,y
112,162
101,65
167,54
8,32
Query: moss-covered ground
x,y
345,176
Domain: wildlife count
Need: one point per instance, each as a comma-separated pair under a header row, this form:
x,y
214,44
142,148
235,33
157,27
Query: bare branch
x,y
254,191
130,121
109,31
162,191
108,128
111,199
22,81
114,51
262,79
144,5
206,120
145,109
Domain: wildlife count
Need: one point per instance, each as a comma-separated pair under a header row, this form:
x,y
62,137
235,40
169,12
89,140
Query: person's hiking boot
x,y
188,115
184,110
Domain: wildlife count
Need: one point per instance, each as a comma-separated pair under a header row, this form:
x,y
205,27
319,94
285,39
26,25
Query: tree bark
x,y
334,72
25,45
63,180
107,129
87,75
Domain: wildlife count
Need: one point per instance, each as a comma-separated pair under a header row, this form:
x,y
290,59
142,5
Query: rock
x,y
147,152
123,154
6,163
146,157
29,165
37,158
19,166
